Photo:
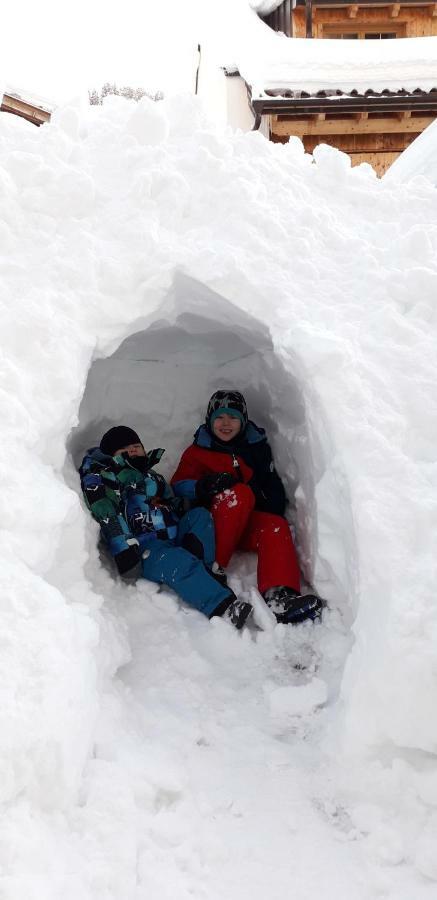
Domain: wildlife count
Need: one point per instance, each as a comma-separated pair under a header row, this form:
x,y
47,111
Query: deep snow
x,y
146,752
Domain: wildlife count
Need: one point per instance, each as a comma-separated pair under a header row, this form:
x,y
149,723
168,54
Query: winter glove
x,y
127,561
210,485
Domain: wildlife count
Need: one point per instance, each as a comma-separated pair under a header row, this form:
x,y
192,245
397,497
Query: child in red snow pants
x,y
229,469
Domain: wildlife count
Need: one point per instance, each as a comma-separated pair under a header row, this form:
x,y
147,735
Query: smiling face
x,y
226,427
131,450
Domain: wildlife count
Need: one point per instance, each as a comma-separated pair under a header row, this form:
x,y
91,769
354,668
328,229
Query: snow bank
x,y
315,286
419,159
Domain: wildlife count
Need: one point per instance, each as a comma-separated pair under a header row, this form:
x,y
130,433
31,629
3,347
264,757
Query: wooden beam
x,y
33,114
406,114
433,9
361,116
384,125
308,18
352,11
394,10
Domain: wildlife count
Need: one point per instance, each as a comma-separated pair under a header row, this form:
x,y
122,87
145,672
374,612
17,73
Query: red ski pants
x,y
239,527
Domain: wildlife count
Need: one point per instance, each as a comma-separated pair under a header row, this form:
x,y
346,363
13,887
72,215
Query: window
x,y
363,31
379,35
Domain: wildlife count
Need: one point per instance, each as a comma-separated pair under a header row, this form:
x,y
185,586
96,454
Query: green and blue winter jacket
x,y
133,508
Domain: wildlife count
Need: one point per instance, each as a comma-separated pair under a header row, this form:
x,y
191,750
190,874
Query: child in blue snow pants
x,y
145,528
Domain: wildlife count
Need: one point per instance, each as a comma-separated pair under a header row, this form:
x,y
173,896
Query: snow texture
x,y
420,158
264,7
146,752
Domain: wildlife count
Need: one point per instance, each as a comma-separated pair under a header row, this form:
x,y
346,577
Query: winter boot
x,y
238,613
290,607
235,611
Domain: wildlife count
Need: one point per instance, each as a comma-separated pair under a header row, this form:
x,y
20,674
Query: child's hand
x,y
210,485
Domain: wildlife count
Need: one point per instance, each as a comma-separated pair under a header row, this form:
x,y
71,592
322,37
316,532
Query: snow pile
x,y
145,751
420,158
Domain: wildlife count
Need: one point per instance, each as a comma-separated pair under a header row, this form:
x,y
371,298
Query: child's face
x,y
226,427
131,450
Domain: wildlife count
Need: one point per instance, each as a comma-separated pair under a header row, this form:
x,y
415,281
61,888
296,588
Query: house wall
x,y
381,147
379,150
225,96
409,22
239,114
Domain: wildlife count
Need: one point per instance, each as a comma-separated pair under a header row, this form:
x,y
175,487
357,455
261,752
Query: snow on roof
x,y
264,7
28,97
280,64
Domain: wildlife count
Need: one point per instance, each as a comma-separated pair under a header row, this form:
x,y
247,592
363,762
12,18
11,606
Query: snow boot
x,y
290,607
238,613
234,611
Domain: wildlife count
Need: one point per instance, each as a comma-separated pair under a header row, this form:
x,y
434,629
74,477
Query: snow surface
x,y
145,752
264,7
419,159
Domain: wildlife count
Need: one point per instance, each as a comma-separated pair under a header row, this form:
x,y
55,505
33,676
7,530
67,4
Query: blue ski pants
x,y
181,564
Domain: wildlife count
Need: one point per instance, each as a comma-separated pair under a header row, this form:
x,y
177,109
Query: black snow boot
x,y
290,607
235,611
238,613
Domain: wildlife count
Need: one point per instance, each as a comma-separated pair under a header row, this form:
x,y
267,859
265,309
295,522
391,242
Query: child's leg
x,y
180,570
196,534
231,511
270,536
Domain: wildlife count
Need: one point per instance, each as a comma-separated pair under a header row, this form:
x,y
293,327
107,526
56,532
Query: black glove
x,y
210,485
127,561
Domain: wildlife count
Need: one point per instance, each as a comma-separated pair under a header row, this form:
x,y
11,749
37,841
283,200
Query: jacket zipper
x,y
236,466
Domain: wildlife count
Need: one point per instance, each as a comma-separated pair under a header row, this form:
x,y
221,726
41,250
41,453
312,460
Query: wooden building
x,y
26,107
370,125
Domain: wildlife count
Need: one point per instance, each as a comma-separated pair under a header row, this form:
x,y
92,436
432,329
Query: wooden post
x,y
309,18
287,6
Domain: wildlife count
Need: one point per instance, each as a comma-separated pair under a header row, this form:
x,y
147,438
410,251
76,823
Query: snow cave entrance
x,y
160,377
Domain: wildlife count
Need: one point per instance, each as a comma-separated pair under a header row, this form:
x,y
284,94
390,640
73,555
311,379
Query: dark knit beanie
x,y
231,402
117,437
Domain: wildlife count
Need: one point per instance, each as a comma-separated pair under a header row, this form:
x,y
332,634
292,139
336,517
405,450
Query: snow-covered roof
x,y
264,7
28,97
283,66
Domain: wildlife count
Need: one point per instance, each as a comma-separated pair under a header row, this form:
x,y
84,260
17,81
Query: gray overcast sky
x,y
58,49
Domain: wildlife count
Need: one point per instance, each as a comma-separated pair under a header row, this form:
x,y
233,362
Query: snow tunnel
x,y
160,377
